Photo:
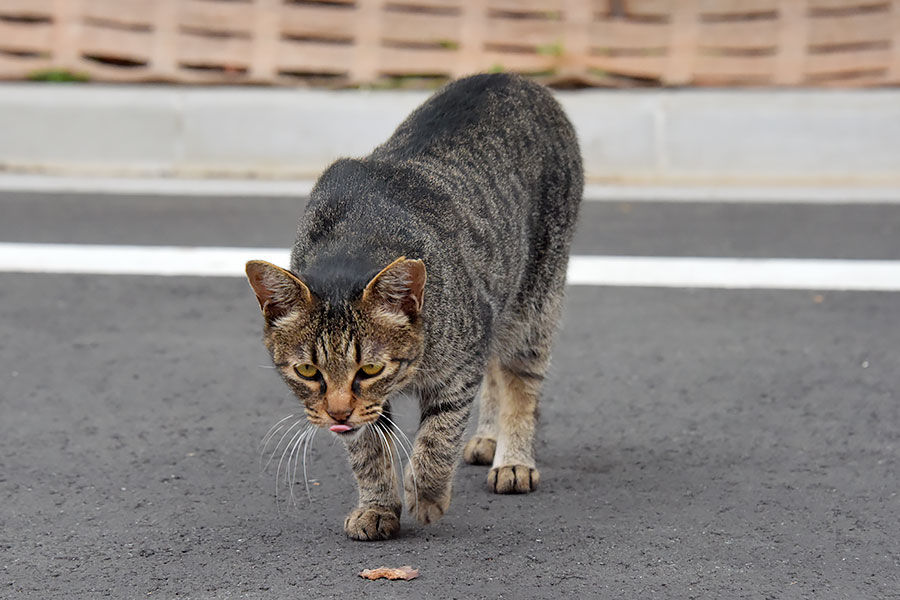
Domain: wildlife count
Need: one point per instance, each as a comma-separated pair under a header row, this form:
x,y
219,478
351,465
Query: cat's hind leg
x,y
480,449
523,359
514,470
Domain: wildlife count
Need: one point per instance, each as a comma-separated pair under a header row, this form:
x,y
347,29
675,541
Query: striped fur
x,y
479,189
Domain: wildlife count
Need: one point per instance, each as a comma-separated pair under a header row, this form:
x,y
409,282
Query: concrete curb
x,y
646,136
593,191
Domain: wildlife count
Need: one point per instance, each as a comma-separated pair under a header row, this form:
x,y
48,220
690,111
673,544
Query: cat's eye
x,y
371,369
306,371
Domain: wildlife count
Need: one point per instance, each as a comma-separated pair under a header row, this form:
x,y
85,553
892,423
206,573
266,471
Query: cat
x,y
434,265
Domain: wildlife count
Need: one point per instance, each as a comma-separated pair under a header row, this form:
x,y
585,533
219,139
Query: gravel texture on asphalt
x,y
858,231
693,444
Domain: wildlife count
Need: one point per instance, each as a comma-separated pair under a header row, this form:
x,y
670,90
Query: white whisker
x,y
412,469
400,431
262,452
284,435
396,465
297,435
288,473
371,430
385,447
305,448
273,430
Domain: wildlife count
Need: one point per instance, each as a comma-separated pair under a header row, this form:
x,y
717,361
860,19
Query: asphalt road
x,y
693,443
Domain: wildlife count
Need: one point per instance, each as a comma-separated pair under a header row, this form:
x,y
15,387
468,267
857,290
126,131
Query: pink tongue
x,y
340,428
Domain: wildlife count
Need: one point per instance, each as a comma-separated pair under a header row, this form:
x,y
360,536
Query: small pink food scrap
x,y
406,572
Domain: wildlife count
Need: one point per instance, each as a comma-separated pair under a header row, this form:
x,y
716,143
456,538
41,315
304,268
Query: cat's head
x,y
343,354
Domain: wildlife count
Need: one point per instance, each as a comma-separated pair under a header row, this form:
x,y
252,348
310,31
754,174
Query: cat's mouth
x,y
343,430
346,429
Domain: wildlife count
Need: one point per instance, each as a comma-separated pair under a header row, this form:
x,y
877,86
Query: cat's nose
x,y
339,404
339,414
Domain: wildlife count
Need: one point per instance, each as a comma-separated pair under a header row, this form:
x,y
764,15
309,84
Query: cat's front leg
x,y
377,516
437,450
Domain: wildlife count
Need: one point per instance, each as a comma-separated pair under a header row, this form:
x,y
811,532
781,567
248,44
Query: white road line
x,y
742,194
157,186
735,273
133,260
731,273
594,192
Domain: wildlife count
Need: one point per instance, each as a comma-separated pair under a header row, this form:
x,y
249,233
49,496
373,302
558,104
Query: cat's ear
x,y
278,290
399,287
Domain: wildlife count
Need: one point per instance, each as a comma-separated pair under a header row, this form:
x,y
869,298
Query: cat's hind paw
x,y
372,523
480,450
513,479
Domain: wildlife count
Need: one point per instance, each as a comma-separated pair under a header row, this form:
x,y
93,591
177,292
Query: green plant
x,y
545,73
555,49
58,75
407,82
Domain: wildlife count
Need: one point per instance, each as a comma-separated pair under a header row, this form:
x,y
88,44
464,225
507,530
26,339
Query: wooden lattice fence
x,y
345,42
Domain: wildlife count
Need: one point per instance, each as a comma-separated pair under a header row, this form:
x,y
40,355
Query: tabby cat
x,y
434,265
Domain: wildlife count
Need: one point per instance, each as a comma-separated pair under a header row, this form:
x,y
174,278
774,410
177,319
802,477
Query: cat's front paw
x,y
513,479
480,450
426,508
372,523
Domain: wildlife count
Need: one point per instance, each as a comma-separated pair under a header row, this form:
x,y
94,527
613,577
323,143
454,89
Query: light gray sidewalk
x,y
701,137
